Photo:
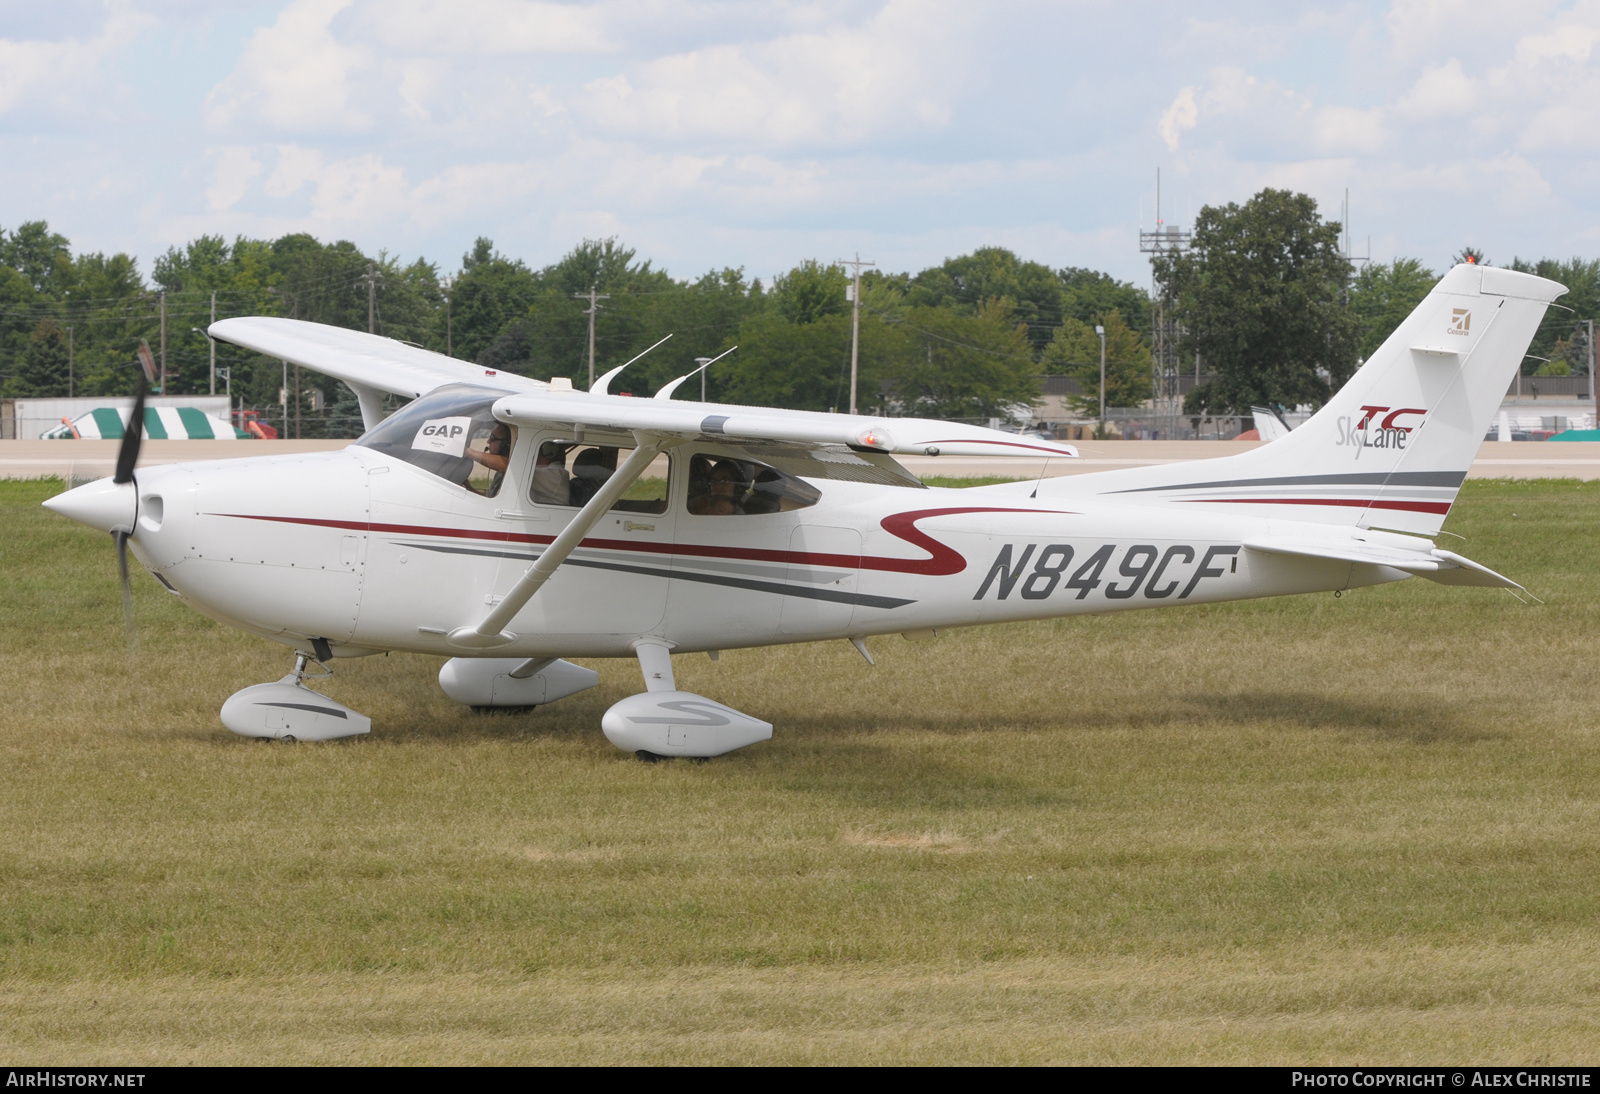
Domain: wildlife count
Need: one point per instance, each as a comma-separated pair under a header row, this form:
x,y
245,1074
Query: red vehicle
x,y
250,421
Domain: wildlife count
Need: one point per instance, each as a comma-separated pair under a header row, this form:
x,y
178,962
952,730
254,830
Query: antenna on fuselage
x,y
603,385
705,363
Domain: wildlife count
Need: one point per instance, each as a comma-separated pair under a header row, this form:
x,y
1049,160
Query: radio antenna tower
x,y
1166,395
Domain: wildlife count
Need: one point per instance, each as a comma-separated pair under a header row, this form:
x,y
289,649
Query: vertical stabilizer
x,y
1392,447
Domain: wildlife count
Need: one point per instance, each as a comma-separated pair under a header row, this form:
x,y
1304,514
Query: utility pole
x,y
69,360
1590,323
594,307
372,280
163,342
213,342
855,322
1101,331
447,284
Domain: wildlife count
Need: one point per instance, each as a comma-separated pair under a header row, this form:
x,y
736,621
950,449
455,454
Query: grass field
x,y
1306,830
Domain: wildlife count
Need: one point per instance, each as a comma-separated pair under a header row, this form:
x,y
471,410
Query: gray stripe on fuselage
x,y
777,571
865,600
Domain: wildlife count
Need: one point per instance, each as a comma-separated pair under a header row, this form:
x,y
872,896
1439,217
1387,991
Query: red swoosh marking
x,y
1407,506
942,561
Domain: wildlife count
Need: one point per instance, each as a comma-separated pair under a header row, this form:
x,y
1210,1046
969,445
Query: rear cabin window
x,y
451,433
720,486
569,474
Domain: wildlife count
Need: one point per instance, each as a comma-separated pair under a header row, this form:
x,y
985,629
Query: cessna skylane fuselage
x,y
505,523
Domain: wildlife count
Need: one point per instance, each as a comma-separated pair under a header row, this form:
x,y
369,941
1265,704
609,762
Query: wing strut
x,y
491,633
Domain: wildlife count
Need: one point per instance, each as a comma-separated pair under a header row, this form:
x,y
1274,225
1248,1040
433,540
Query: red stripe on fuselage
x,y
943,562
1406,506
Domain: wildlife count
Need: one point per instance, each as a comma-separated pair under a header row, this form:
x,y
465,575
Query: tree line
x,y
970,338
1272,308
1264,298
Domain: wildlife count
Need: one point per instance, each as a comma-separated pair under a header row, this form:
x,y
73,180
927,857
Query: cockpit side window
x,y
726,487
567,473
451,433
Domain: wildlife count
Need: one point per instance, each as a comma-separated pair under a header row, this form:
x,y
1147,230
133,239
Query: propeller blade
x,y
132,438
121,539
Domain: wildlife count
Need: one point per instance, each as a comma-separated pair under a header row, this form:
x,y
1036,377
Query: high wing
x,y
372,365
359,359
903,436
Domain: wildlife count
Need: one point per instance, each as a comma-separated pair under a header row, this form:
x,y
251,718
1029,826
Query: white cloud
x,y
296,167
63,67
1441,91
487,28
231,177
1344,129
1180,117
839,86
294,75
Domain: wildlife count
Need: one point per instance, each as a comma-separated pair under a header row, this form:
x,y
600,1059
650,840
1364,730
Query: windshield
x,y
451,433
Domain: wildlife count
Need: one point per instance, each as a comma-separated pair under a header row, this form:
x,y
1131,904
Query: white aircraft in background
x,y
1269,423
507,523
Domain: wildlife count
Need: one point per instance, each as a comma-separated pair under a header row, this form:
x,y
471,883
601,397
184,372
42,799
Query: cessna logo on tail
x,y
1370,431
1460,322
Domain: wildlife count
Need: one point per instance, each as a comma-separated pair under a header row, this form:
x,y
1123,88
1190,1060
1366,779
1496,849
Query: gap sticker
x,y
446,436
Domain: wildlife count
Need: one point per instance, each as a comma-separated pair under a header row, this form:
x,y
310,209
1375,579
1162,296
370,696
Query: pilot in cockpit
x,y
495,457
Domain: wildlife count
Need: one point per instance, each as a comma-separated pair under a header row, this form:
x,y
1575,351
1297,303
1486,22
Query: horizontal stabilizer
x,y
1445,567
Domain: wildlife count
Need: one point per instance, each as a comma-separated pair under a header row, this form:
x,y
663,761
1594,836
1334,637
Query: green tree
x,y
1383,294
40,255
1582,279
800,366
951,365
967,284
1261,297
1089,295
549,335
809,292
1075,352
44,363
17,303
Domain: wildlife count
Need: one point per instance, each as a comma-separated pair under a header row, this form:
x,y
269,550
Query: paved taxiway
x,y
1512,460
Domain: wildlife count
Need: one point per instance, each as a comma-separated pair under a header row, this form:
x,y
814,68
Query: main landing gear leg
x,y
290,711
667,722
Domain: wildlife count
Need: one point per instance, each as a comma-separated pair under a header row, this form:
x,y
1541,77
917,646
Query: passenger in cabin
x,y
551,483
590,470
724,491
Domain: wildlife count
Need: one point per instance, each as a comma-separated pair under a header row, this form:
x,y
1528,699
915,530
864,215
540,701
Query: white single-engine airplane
x,y
507,523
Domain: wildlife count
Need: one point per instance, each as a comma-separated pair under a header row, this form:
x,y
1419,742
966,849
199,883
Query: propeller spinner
x,y
112,505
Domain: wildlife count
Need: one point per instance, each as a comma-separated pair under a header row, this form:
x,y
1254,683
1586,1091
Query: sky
x,y
756,134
